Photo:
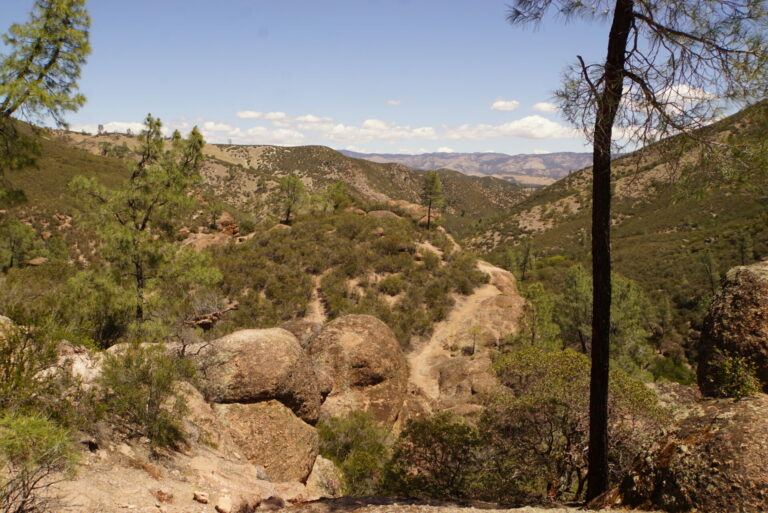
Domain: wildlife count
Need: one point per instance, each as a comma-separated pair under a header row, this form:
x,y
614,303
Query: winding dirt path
x,y
479,310
315,308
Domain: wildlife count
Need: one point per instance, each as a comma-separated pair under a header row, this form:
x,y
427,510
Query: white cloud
x,y
541,152
545,107
375,124
281,129
275,116
269,116
311,118
530,127
264,135
505,105
113,126
374,129
249,114
394,102
282,120
212,126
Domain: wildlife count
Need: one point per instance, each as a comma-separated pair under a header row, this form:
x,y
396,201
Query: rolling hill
x,y
527,169
244,176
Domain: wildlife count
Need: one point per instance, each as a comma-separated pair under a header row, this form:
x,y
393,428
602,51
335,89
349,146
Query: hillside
x,y
677,227
525,169
245,176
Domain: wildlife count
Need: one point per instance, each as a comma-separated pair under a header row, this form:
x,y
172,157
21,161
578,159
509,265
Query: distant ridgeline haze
x,y
526,169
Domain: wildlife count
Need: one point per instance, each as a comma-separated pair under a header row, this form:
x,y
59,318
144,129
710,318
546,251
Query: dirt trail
x,y
315,308
479,311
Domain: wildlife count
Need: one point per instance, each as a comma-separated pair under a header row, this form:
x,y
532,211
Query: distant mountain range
x,y
526,169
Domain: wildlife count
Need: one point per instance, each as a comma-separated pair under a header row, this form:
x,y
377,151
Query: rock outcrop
x,y
258,365
383,214
303,330
270,435
715,460
200,241
736,325
366,366
84,365
227,224
464,383
325,480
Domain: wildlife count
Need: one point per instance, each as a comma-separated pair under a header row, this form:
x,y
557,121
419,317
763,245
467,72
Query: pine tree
x,y
669,66
38,77
431,194
136,222
17,242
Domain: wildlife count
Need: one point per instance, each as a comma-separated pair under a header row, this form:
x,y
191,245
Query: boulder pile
x,y
715,460
736,326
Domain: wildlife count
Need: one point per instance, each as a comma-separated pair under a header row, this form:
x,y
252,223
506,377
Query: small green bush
x,y
735,376
18,243
24,356
32,451
437,458
359,447
138,386
392,285
672,369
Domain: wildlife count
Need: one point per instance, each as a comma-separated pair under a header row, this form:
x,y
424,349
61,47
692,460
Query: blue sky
x,y
370,75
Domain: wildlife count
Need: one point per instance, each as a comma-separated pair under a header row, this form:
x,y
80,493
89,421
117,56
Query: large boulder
x,y
736,325
270,435
303,330
81,363
715,460
366,366
325,480
466,383
258,365
202,426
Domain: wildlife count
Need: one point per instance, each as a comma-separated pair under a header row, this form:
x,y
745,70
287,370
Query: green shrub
x,y
431,260
18,243
12,197
24,356
104,311
138,386
538,428
672,368
437,457
734,376
32,451
359,447
392,285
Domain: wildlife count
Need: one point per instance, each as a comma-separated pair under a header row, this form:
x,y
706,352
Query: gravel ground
x,y
394,505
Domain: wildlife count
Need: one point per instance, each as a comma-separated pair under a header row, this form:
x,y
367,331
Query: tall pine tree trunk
x,y
608,104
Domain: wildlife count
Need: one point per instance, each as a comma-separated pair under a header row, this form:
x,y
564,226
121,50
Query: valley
x,y
214,311
343,265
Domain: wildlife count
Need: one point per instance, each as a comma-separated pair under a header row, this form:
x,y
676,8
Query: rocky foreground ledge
x,y
401,505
